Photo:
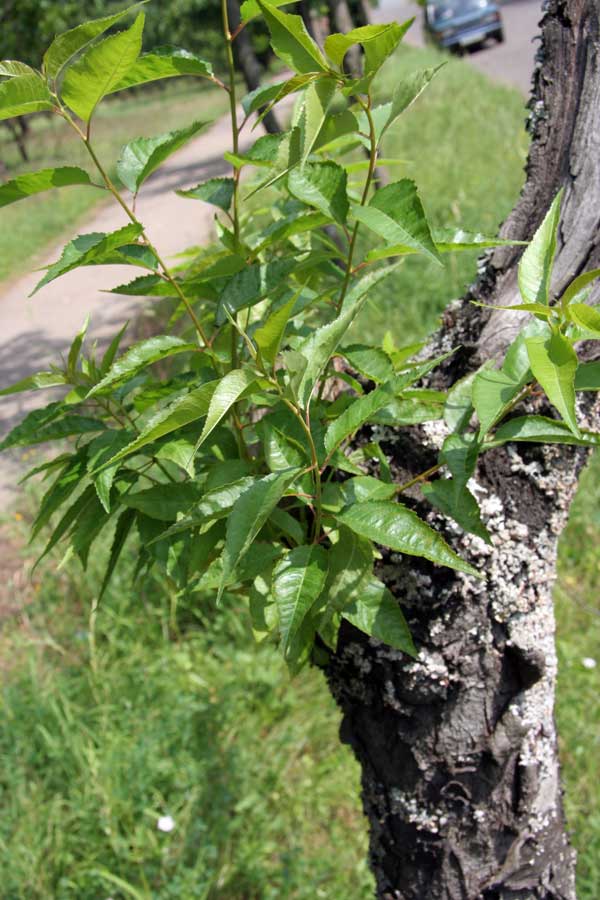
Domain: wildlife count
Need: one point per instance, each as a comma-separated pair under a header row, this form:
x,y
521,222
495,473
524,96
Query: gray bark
x,y
458,749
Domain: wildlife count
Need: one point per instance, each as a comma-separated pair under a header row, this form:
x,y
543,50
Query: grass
x,y
47,218
578,698
205,726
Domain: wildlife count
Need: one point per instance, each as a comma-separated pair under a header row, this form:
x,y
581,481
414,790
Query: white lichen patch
x,y
423,818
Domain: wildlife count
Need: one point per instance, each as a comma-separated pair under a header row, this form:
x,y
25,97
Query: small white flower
x,y
166,823
588,662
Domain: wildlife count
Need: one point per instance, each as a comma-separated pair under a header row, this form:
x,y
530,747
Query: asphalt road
x,y
510,62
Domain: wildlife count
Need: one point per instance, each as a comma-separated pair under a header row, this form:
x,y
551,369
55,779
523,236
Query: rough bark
x,y
247,63
458,748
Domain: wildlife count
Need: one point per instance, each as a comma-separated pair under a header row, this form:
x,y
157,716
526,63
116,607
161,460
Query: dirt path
x,y
36,331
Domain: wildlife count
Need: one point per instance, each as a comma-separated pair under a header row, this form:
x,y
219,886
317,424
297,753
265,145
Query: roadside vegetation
x,y
150,715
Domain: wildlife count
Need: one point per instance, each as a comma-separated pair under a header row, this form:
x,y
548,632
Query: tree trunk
x,y
247,62
458,748
360,12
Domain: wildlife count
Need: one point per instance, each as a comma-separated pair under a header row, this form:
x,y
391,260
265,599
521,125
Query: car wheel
x,y
499,35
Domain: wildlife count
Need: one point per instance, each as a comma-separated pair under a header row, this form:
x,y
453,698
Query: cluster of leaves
x,y
237,469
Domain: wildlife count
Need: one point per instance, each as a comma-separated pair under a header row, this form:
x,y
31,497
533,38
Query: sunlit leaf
x,y
100,68
298,579
218,191
399,528
535,267
143,156
250,512
23,95
553,362
33,183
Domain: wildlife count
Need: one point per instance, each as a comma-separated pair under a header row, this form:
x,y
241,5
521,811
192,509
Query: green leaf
x,y
65,46
218,191
350,568
44,180
65,484
336,495
254,283
449,240
578,284
291,41
298,580
84,531
269,336
492,392
12,68
319,346
142,156
377,41
460,505
23,95
35,383
111,350
91,249
261,96
228,391
164,501
99,451
318,98
355,415
49,424
407,91
181,412
535,267
399,528
587,377
100,68
214,504
250,512
283,439
459,452
124,524
542,430
164,62
322,185
376,612
371,362
396,214
139,356
250,9
553,362
587,317
262,153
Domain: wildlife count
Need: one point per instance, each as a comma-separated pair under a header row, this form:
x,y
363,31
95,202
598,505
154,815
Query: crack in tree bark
x,y
458,748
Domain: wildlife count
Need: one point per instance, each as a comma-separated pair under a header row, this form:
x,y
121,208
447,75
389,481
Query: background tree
x,y
459,750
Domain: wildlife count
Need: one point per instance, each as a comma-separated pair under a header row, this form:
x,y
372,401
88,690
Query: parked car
x,y
457,24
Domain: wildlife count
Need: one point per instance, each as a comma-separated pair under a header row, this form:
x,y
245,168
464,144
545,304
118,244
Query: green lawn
x,y
47,218
201,724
